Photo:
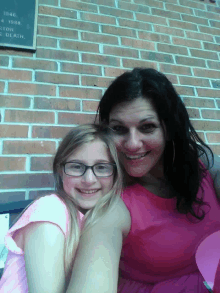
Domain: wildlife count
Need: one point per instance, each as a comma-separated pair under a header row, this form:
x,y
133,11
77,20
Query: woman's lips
x,y
135,157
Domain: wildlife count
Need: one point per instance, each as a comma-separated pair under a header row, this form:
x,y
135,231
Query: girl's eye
x,y
118,129
147,128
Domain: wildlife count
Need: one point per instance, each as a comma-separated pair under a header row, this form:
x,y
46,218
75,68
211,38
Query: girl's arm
x,y
96,265
44,258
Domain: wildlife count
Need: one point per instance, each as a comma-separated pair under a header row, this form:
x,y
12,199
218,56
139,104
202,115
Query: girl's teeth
x,y
88,192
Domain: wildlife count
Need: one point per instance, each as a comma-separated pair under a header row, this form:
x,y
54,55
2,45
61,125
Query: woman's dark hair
x,y
185,172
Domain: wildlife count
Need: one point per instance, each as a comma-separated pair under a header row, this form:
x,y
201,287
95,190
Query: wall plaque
x,y
18,23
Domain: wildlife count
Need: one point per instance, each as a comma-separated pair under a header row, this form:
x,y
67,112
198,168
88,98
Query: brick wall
x,y
81,47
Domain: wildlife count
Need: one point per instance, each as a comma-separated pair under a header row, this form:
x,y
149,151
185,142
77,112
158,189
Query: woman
x,y
43,241
169,206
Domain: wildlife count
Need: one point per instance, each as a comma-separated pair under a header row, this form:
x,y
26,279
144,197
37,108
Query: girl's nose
x,y
89,176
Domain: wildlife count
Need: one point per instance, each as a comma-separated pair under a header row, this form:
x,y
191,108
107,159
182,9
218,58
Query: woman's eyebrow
x,y
141,121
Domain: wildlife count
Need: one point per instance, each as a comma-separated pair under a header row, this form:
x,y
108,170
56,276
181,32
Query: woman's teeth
x,y
135,157
88,191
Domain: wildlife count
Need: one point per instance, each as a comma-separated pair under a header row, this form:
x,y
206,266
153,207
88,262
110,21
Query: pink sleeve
x,y
47,209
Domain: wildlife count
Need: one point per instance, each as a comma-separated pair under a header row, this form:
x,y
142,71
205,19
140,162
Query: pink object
x,y
47,209
208,256
158,255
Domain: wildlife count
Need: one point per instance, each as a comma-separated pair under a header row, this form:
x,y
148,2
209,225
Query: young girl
x,y
43,241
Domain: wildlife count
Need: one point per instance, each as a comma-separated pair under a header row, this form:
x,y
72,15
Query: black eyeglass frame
x,y
90,167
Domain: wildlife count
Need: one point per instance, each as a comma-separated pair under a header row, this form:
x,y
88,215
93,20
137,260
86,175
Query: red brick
x,y
79,6
115,12
80,25
46,42
208,30
169,31
100,59
212,47
12,164
214,9
6,197
165,13
118,31
57,32
133,7
31,89
29,147
199,36
206,14
135,43
118,51
96,81
200,103
41,163
34,64
13,52
213,64
13,130
185,90
90,106
99,38
150,3
194,81
183,25
207,73
2,86
154,37
201,135
80,68
57,54
213,137
206,125
14,101
186,42
49,2
79,46
204,54
172,78
57,78
193,113
159,57
183,60
178,8
29,116
110,71
218,103
211,114
81,93
196,20
98,18
192,4
15,74
131,63
135,24
68,13
215,23
168,68
4,61
24,181
47,20
71,118
151,18
172,49
208,93
50,131
57,104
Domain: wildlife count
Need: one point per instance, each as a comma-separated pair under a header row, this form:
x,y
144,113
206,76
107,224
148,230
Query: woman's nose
x,y
133,141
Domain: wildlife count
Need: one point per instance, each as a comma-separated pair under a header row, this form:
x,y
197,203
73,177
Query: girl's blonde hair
x,y
77,137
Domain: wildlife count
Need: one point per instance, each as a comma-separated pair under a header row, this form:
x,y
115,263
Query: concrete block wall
x,y
81,47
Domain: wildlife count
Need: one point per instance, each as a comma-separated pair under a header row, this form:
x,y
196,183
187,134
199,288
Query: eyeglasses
x,y
79,169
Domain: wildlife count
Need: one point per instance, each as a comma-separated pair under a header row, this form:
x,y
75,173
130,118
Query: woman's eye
x,y
118,129
147,127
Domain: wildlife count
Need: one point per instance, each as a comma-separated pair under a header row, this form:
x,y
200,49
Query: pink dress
x,y
47,209
158,255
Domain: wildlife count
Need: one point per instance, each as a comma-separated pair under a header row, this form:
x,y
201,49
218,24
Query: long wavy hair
x,y
182,167
76,138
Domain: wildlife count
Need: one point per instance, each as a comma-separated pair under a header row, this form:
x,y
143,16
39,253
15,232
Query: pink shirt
x,y
47,209
161,244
